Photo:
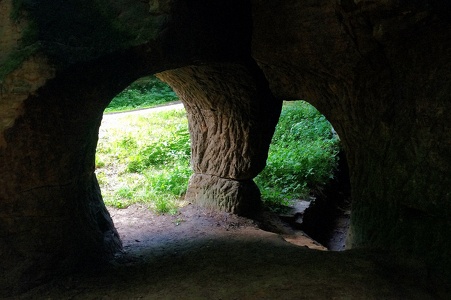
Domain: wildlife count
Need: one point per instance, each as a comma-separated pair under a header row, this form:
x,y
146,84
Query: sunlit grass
x,y
144,159
302,155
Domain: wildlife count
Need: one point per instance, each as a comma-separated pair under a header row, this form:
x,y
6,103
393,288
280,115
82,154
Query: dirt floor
x,y
198,254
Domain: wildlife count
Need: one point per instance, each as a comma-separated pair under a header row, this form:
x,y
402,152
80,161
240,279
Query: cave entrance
x,y
143,158
143,150
306,179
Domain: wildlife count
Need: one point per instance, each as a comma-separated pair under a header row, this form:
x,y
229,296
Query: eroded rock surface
x,y
232,117
378,70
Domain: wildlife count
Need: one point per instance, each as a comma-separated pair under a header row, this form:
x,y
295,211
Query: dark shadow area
x,y
324,217
326,220
226,257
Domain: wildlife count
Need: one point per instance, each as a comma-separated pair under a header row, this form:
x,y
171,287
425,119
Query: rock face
x,y
378,70
232,116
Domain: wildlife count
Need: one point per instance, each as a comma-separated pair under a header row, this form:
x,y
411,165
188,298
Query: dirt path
x,y
199,254
158,108
112,120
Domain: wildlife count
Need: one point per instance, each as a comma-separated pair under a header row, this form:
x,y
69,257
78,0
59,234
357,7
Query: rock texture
x,y
52,95
232,116
378,70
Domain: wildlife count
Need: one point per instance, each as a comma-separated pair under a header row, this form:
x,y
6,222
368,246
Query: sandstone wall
x,y
378,70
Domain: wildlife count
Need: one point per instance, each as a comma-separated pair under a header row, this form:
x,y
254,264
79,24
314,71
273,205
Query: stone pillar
x,y
52,216
232,116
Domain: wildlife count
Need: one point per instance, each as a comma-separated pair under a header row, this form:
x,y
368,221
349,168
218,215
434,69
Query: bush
x,y
143,93
302,155
162,151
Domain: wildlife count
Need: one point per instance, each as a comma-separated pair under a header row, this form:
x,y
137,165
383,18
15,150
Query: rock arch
x,y
52,210
56,81
379,71
380,74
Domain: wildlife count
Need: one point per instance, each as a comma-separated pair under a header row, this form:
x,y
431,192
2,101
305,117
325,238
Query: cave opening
x,y
149,167
143,150
306,178
381,68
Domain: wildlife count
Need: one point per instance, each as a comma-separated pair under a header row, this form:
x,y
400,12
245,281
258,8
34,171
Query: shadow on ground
x,y
204,255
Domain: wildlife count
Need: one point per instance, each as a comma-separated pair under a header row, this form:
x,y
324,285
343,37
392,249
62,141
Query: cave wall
x,y
378,70
53,214
55,82
61,64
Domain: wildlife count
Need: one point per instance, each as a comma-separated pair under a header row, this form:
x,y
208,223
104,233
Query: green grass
x,y
143,93
302,155
145,158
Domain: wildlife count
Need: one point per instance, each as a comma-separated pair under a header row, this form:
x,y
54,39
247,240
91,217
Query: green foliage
x,y
143,93
167,149
170,179
164,206
17,9
146,160
302,154
27,45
